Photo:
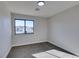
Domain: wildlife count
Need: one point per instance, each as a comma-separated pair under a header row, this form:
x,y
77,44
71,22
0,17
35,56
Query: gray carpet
x,y
26,51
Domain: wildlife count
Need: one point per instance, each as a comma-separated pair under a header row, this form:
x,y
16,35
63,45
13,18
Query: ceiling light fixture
x,y
40,3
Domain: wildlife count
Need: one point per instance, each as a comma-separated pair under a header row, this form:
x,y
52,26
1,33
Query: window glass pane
x,y
19,25
29,26
19,22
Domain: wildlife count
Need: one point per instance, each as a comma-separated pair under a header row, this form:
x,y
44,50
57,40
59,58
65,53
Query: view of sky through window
x,y
19,22
29,23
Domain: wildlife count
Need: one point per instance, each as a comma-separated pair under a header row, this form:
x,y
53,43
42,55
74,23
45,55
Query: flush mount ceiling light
x,y
40,3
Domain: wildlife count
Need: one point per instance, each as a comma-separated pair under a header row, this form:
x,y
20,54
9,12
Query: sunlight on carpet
x,y
53,54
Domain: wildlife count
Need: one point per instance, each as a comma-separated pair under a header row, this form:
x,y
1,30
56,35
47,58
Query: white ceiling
x,y
49,9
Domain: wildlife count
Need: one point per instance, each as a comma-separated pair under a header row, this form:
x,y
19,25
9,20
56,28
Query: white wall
x,y
5,31
40,31
64,30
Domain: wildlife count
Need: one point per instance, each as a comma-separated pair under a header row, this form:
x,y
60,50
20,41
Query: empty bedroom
x,y
39,29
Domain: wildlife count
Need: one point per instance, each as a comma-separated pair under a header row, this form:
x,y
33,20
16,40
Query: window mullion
x,y
25,26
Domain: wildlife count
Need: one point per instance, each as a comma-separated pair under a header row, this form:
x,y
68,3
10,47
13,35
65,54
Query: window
x,y
29,26
23,26
19,26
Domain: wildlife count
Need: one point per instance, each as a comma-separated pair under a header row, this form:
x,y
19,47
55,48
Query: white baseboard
x,y
6,54
27,43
